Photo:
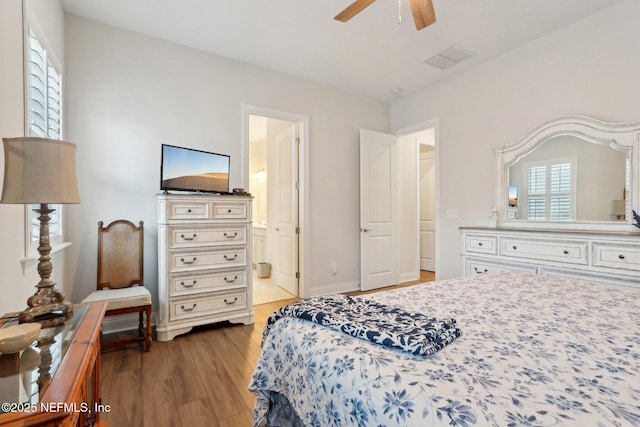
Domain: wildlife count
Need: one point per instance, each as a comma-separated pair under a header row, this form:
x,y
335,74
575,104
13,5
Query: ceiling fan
x,y
422,10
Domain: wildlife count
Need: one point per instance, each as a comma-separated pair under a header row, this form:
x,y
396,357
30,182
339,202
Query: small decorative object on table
x,y
18,337
493,217
240,192
636,219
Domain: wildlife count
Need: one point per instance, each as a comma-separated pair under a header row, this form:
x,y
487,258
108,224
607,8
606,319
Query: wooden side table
x,y
57,381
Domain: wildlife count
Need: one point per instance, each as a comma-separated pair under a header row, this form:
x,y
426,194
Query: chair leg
x,y
140,323
147,343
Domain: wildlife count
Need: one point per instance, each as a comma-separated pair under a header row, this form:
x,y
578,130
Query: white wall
x,y
589,68
128,93
18,283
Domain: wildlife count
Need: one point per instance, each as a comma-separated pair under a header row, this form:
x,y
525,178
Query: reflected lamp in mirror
x,y
618,210
41,171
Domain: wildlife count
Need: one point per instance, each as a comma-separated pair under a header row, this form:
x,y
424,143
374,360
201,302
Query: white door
x,y
427,213
287,209
378,215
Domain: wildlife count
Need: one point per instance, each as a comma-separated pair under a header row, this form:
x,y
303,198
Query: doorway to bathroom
x,y
274,182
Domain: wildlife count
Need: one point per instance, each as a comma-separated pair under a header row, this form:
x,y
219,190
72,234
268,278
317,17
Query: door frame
x,y
302,122
433,123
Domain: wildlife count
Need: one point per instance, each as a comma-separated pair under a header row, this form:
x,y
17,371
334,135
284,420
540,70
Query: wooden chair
x,y
121,277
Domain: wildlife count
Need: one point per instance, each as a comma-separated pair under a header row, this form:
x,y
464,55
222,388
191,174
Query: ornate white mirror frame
x,y
621,136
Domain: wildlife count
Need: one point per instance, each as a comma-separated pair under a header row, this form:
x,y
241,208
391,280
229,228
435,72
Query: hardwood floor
x,y
198,379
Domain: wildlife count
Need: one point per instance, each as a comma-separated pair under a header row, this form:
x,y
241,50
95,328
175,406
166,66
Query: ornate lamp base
x,y
46,311
47,302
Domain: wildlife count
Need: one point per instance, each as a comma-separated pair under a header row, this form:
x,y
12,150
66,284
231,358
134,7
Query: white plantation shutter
x,y
536,208
44,94
551,190
537,180
560,198
54,103
37,77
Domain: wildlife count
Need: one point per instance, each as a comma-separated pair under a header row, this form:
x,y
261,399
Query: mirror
x,y
570,172
568,178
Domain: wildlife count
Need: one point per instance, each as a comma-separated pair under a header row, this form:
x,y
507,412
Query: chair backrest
x,y
120,254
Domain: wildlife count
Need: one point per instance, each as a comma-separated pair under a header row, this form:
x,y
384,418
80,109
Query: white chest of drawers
x,y
608,257
204,262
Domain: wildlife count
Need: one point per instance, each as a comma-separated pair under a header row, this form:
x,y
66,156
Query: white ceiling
x,y
370,55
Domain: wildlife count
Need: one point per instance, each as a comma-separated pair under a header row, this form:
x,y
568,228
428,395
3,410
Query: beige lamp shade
x,y
618,207
39,170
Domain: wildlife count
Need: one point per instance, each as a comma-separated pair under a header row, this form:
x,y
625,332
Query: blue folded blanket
x,y
389,326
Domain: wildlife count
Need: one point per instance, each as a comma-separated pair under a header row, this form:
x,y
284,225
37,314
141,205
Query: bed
x,y
534,350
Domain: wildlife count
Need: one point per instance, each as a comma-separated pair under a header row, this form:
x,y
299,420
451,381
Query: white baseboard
x,y
124,322
335,288
408,277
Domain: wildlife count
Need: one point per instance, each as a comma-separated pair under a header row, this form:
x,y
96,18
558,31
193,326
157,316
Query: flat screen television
x,y
186,169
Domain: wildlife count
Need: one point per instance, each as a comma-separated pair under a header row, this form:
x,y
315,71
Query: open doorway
x,y
273,167
417,200
404,192
426,194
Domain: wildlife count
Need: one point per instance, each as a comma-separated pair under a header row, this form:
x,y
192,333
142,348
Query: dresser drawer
x,y
198,283
193,237
479,266
202,306
222,210
188,210
616,256
480,244
200,260
565,251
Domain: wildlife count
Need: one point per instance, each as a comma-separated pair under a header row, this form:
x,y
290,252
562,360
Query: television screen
x,y
186,169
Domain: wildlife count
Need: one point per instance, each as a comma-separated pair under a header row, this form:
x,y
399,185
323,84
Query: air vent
x,y
449,57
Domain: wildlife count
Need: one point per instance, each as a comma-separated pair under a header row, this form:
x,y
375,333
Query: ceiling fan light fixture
x,y
449,57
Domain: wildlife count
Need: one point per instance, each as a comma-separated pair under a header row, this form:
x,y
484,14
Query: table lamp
x,y
41,171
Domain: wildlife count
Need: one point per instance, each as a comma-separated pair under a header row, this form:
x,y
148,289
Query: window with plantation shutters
x,y
551,190
44,101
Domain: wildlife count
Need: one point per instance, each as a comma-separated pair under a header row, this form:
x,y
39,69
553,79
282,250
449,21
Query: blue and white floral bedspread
x,y
535,351
384,324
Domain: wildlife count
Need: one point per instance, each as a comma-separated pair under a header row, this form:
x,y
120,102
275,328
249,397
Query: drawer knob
x,y
188,238
621,256
228,210
188,262
515,247
188,286
188,210
232,302
188,309
480,272
226,279
566,252
231,236
233,258
479,243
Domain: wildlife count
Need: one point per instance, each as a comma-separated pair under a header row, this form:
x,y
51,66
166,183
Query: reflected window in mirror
x,y
568,178
550,191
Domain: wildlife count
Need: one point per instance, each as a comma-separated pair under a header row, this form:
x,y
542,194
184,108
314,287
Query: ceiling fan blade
x,y
423,13
352,10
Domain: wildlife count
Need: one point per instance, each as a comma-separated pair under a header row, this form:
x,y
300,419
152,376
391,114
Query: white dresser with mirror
x,y
565,197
